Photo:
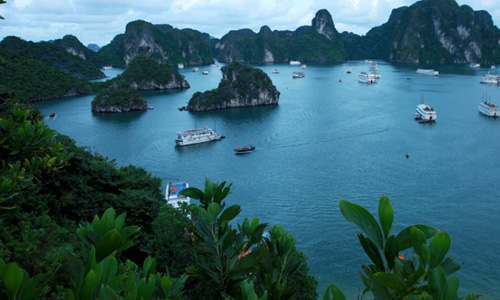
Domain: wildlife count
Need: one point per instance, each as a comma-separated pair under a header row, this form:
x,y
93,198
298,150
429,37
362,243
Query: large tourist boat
x,y
430,72
373,66
489,109
425,113
172,193
294,62
490,79
364,77
196,136
376,74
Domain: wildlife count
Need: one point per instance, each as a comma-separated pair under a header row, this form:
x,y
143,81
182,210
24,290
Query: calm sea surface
x,y
329,140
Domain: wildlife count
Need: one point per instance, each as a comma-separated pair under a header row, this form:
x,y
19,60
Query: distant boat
x,y
52,115
205,72
474,65
407,78
430,72
294,62
493,67
489,109
149,107
490,79
275,71
298,75
367,61
376,74
349,70
182,108
107,68
172,193
214,65
303,66
425,113
196,69
364,77
373,67
244,150
180,66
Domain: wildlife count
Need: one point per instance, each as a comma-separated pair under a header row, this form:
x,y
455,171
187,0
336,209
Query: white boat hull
x,y
490,112
197,141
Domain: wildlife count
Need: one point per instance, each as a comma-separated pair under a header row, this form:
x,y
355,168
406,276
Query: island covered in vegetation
x,y
241,86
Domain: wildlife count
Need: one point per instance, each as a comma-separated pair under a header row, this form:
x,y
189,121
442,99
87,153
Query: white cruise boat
x,y
180,66
107,68
490,79
205,72
476,66
348,70
376,74
294,62
298,75
364,77
275,71
373,67
303,66
172,193
489,109
196,136
196,69
430,72
425,113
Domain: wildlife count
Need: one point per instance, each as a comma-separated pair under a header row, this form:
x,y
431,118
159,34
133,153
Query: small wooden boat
x,y
182,108
244,150
52,115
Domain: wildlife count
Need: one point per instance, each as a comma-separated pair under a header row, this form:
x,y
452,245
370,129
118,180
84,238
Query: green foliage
x,y
45,81
145,73
333,293
54,54
118,96
303,44
239,82
423,276
18,284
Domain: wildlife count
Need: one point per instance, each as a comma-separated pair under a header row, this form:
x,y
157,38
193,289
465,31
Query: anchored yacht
x,y
364,77
430,72
425,113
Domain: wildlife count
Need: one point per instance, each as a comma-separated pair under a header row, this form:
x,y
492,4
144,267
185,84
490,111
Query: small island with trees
x,y
241,86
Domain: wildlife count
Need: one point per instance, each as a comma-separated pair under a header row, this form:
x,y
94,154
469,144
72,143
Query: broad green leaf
x,y
192,192
385,215
471,296
440,245
109,243
450,289
364,219
449,266
69,295
230,213
390,280
436,281
391,250
372,251
88,286
417,237
404,237
333,293
12,278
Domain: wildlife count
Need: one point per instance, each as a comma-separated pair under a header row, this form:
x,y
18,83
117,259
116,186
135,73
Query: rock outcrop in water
x,y
118,98
145,73
162,42
320,43
241,86
430,31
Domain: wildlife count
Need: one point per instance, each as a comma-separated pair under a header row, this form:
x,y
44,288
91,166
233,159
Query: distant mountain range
x,y
427,32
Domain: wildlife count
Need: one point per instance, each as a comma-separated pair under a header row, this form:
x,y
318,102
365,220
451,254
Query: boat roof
x,y
196,130
425,107
173,189
490,105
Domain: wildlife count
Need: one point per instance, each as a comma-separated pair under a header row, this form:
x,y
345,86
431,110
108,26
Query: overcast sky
x,y
98,21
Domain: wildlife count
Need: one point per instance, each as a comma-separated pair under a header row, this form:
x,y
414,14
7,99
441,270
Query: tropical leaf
x,y
364,219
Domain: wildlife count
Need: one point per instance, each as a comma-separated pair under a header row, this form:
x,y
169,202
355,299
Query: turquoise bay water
x,y
329,140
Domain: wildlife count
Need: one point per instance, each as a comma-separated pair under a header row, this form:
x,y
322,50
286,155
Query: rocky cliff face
x,y
320,43
118,98
163,42
435,31
241,86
